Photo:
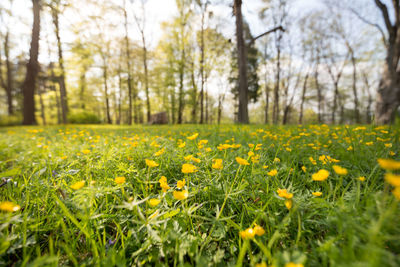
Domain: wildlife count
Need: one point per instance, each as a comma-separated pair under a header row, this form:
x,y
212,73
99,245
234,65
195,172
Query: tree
x,y
32,69
243,114
388,95
55,7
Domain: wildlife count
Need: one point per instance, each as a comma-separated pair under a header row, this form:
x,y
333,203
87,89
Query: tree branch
x,y
279,28
385,14
372,24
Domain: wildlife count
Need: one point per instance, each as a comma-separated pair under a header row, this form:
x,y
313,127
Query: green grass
x,y
353,223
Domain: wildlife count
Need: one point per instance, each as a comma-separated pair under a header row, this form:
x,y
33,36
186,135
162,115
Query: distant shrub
x,y
10,120
83,118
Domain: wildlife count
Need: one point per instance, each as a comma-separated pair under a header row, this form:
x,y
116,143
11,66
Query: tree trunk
x,y
303,96
146,77
275,111
335,96
355,95
128,64
32,69
180,94
42,108
202,68
105,74
63,89
388,95
9,85
82,86
220,101
243,115
194,95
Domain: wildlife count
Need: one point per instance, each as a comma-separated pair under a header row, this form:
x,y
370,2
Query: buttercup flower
x,y
389,164
392,179
181,195
9,206
284,193
272,172
119,180
151,163
217,164
242,161
78,185
192,137
154,202
317,194
180,184
188,168
321,175
248,233
288,204
259,230
339,170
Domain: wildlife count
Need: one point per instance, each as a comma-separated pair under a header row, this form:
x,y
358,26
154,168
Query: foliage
x,y
83,117
116,196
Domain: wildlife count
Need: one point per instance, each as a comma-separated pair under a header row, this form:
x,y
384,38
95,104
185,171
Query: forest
x,y
267,61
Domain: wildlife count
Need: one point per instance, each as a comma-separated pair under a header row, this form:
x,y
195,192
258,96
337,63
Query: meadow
x,y
196,195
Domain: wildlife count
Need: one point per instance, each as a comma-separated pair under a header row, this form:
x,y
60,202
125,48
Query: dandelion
x,y
188,168
180,184
78,185
217,164
273,172
361,178
389,164
192,137
313,161
242,161
120,180
203,142
182,145
284,193
317,194
151,163
350,148
339,170
304,168
9,206
181,195
392,179
154,202
321,175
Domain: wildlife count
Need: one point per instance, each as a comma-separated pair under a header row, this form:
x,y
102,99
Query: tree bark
x,y
28,87
275,111
303,96
63,89
128,65
107,100
9,84
202,65
243,115
388,95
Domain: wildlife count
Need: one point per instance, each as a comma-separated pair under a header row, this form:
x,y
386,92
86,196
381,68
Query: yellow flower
x,y
284,193
154,215
321,175
242,161
192,137
188,168
292,264
251,153
396,192
262,264
391,153
163,179
317,194
392,179
180,184
86,151
9,206
339,170
159,152
78,185
203,142
277,160
120,180
181,195
389,164
182,145
313,161
217,164
361,178
154,202
304,168
258,230
350,148
288,204
151,163
272,172
369,143
389,145
249,233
